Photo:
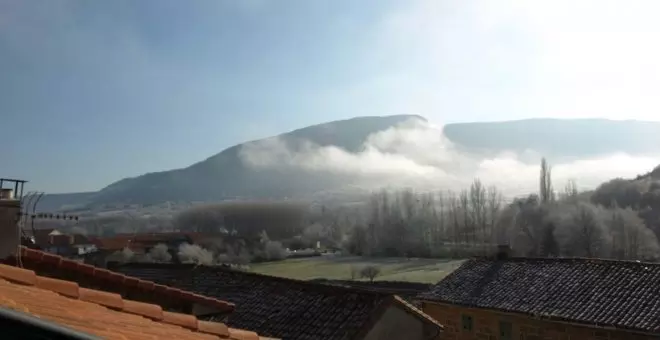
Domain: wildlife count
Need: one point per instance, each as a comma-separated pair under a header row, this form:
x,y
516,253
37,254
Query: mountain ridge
x,y
223,175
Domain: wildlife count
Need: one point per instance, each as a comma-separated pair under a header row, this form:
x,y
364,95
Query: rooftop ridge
x,y
315,285
38,256
566,259
113,303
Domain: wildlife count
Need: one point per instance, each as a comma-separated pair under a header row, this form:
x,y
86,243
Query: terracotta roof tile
x,y
86,310
67,288
145,309
213,328
620,294
183,320
98,297
38,260
238,334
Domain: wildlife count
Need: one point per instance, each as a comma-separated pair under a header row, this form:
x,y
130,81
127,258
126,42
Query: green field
x,y
339,268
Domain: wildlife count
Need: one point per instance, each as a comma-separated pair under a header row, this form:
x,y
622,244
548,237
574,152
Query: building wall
x,y
486,325
10,239
397,324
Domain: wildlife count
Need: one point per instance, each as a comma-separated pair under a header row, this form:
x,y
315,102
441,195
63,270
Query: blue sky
x,y
95,91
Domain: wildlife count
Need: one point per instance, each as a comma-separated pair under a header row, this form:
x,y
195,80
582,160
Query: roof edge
x,y
417,312
93,272
563,260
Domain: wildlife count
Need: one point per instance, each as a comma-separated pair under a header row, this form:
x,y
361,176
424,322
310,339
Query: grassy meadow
x,y
339,268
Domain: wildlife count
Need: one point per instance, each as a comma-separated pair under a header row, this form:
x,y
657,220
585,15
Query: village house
x,y
74,300
142,243
509,298
56,242
46,296
294,309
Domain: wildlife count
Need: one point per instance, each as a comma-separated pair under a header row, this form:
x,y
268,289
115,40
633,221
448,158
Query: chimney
x,y
503,252
10,210
6,194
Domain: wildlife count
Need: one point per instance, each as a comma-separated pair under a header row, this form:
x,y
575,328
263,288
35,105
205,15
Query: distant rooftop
x,y
620,294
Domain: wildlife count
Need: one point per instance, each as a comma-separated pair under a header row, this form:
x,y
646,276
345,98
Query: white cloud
x,y
516,59
416,154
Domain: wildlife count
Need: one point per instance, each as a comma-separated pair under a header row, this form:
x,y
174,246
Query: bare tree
x,y
478,210
454,216
354,272
370,272
571,192
467,227
441,219
529,222
630,238
494,206
546,191
583,232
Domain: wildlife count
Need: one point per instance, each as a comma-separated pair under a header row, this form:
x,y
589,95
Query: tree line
x,y
473,221
619,220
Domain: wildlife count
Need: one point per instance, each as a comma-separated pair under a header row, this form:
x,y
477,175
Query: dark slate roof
x,y
276,307
406,290
621,294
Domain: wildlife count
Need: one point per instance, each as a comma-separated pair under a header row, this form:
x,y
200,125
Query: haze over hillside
x,y
367,153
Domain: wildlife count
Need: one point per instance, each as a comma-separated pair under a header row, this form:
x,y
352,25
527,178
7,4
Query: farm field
x,y
339,268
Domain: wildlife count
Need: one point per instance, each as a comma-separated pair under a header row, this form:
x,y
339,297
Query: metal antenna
x,y
34,209
22,217
30,195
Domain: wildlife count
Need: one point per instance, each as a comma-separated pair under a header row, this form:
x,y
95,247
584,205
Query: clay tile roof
x,y
111,243
620,294
101,313
278,307
55,266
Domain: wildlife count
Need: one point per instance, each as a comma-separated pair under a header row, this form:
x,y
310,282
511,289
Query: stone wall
x,y
486,326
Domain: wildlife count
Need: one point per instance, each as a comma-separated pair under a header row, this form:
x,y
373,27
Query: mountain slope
x,y
576,138
224,175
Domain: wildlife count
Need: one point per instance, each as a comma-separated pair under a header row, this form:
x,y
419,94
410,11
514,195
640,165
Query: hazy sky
x,y
94,91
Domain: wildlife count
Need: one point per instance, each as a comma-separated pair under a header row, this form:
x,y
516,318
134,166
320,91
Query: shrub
x,y
160,253
121,256
274,251
192,253
370,272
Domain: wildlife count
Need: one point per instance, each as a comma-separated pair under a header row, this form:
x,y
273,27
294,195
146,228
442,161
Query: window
x,y
467,323
506,330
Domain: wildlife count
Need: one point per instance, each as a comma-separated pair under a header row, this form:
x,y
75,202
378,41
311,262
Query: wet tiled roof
x,y
621,294
101,313
278,307
55,266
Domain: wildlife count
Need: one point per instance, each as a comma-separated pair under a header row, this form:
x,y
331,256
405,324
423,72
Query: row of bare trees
x,y
619,220
474,220
406,223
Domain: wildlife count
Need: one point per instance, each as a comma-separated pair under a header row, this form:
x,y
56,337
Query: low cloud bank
x,y
417,154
